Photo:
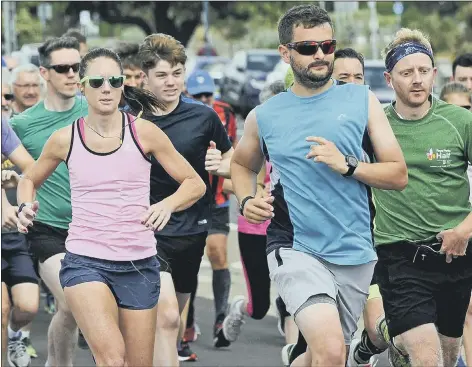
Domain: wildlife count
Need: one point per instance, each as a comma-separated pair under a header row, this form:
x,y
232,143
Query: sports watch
x,y
352,163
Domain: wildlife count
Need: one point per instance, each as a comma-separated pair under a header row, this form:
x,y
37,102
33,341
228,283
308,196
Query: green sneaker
x,y
395,357
29,347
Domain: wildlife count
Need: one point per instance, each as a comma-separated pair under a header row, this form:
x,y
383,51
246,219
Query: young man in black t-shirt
x,y
198,134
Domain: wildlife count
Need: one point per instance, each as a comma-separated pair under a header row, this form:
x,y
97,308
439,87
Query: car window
x,y
262,62
374,77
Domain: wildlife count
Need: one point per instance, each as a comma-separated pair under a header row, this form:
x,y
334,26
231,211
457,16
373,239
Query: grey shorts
x,y
299,276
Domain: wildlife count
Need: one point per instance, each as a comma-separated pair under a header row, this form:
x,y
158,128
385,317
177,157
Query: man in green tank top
x,y
422,233
59,60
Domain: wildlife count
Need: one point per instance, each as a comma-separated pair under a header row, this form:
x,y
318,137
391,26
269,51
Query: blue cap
x,y
200,81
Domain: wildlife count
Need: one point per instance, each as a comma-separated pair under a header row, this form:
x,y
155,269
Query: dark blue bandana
x,y
405,49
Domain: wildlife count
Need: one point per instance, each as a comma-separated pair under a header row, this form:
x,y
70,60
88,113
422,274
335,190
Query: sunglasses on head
x,y
64,68
98,81
9,96
309,48
201,95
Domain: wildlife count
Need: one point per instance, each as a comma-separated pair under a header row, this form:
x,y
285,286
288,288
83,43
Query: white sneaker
x,y
286,351
17,354
351,361
232,323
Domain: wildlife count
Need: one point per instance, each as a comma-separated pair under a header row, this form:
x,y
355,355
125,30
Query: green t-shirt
x,y
437,149
34,127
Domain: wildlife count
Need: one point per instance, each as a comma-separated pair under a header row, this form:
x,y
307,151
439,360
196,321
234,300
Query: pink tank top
x,y
260,229
109,194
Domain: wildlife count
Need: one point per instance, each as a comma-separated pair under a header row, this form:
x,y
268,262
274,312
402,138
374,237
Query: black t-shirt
x,y
190,127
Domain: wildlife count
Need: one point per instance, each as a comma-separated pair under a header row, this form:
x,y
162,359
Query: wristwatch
x,y
243,202
352,163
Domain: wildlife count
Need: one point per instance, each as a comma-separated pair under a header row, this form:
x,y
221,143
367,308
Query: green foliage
x,y
28,27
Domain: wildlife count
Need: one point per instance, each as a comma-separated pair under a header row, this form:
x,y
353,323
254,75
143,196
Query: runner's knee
x,y
168,316
260,309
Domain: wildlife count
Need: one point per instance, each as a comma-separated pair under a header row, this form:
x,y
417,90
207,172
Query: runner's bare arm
x,y
247,160
228,185
54,152
156,142
390,171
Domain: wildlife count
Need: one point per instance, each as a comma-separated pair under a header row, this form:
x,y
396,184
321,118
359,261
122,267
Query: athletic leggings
x,y
256,272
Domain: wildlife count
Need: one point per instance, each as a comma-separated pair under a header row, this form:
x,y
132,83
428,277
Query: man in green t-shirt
x,y
59,60
422,233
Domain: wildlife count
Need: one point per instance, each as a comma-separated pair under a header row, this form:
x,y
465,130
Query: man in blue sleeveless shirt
x,y
313,134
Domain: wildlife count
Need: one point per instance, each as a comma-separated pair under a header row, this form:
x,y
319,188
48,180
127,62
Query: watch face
x,y
352,161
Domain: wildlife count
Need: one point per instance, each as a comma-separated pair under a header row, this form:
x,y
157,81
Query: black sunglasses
x,y
308,48
200,95
466,107
64,68
97,81
9,96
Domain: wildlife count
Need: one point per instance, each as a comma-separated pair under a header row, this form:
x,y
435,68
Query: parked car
x,y
279,72
373,75
244,78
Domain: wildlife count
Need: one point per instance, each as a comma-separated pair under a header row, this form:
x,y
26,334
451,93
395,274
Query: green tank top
x,y
437,151
34,127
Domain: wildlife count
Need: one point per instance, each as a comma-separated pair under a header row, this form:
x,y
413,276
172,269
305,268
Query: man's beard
x,y
308,79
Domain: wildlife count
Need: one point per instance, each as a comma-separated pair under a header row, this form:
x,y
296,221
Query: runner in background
x,y
59,60
79,36
26,84
19,277
201,87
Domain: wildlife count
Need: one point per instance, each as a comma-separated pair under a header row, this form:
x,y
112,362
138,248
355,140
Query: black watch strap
x,y
21,207
350,171
243,202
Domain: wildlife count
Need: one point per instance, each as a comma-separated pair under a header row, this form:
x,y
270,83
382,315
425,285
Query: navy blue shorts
x,y
17,265
135,284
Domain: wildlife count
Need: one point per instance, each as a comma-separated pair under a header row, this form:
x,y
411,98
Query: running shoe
x,y
281,314
185,353
286,351
29,347
17,355
192,333
50,305
232,323
219,340
352,362
395,357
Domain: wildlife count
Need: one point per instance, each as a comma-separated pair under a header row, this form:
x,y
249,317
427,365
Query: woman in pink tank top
x,y
110,274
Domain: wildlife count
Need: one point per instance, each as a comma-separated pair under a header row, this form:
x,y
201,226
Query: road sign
x,y
398,7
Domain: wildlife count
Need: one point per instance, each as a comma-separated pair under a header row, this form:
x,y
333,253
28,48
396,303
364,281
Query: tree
x,y
179,19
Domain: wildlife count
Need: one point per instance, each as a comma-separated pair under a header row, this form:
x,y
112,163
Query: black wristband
x,y
22,205
243,202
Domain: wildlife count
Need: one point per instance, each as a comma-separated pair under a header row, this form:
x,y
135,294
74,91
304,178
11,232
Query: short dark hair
x,y
136,98
453,87
157,47
349,53
54,44
75,33
464,60
128,53
308,16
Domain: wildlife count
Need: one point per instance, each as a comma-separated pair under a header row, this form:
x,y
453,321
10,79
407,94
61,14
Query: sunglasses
x,y
201,95
309,48
9,96
98,81
64,68
466,107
